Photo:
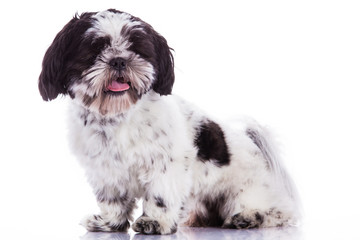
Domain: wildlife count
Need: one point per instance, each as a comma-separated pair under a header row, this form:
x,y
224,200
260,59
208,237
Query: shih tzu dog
x,y
136,140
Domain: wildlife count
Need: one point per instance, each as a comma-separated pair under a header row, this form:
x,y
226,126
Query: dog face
x,y
107,61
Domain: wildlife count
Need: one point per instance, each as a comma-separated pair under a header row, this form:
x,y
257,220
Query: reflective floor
x,y
205,233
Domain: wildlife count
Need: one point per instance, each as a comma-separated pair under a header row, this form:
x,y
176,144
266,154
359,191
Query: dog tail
x,y
265,141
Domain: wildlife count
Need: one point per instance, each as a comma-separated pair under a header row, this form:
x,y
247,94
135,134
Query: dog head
x,y
107,61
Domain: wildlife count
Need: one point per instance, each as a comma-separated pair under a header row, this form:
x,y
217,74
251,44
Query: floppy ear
x,y
53,79
165,73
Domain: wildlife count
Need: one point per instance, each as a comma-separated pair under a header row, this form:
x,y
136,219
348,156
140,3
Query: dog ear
x,y
165,70
54,79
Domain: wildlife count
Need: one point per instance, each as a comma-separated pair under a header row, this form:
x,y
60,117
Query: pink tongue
x,y
118,87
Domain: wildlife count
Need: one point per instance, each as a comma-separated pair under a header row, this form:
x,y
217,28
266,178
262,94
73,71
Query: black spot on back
x,y
211,143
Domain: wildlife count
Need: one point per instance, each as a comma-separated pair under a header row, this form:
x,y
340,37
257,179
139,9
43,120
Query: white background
x,y
293,65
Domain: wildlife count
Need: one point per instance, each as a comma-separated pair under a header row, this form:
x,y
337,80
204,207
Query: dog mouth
x,y
118,86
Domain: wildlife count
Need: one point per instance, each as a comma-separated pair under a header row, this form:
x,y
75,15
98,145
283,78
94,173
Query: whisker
x,y
91,71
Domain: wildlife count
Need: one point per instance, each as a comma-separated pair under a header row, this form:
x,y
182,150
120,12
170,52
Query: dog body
x,y
136,140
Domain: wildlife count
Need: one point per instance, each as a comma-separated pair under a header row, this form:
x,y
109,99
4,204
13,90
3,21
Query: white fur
x,y
131,154
109,23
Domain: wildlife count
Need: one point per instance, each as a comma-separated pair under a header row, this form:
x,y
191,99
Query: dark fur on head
x,y
56,75
73,52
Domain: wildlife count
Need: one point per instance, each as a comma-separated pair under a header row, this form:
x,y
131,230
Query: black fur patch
x,y
212,217
114,10
159,201
211,143
153,47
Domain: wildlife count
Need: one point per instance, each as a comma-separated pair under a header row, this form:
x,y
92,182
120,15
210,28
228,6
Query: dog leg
x,y
158,217
162,202
116,210
262,208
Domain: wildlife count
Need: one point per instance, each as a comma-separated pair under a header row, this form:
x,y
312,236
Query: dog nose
x,y
118,63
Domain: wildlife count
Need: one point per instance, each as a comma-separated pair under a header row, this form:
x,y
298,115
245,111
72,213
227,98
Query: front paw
x,y
146,225
97,223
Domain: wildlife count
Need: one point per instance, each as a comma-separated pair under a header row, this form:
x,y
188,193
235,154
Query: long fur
x,y
136,140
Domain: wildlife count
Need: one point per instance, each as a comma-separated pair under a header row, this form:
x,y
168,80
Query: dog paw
x,y
146,225
245,220
277,218
97,223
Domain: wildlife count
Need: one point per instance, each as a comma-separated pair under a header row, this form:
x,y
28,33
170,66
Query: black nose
x,y
118,63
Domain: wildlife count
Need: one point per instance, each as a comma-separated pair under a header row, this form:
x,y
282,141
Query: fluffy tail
x,y
264,140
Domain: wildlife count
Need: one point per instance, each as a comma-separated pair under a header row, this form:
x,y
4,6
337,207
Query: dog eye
x,y
100,43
